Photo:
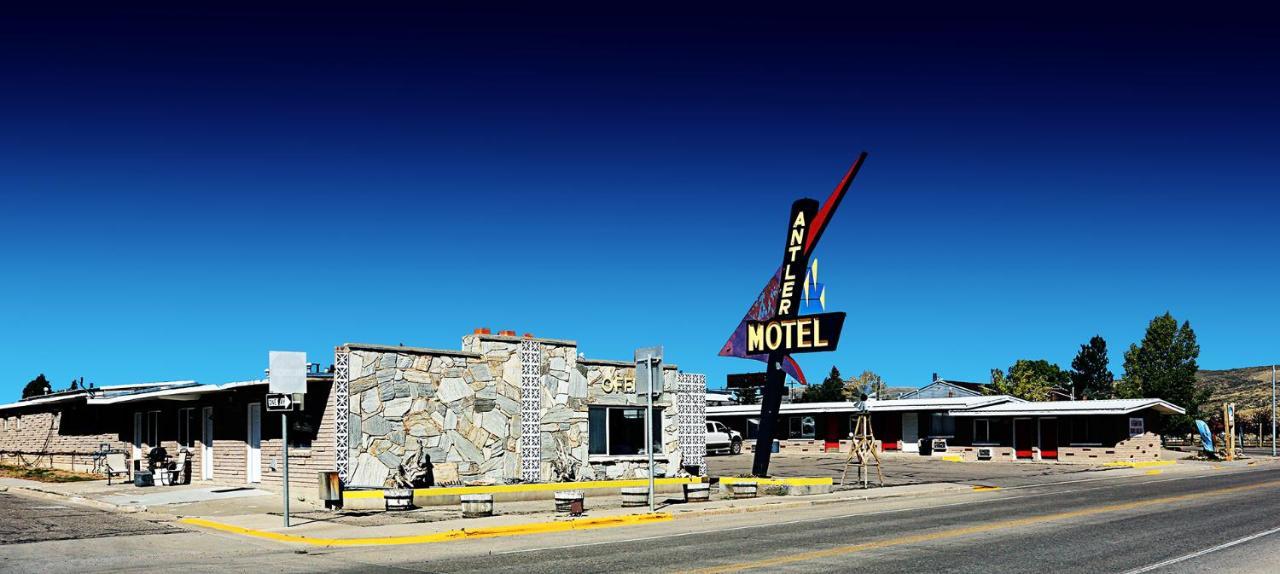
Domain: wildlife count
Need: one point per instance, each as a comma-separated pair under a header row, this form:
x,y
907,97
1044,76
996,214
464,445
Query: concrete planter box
x,y
635,496
477,505
565,500
398,498
743,490
697,492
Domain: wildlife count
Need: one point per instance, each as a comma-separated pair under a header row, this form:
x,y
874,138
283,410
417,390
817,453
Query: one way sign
x,y
278,402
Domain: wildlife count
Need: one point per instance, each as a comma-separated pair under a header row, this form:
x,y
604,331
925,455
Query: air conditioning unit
x,y
938,445
985,453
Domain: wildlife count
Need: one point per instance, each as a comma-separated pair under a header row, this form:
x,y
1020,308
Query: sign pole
x,y
1273,410
648,430
284,439
770,405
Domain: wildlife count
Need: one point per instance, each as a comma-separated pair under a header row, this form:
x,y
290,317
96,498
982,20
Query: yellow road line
x,y
778,481
984,487
533,487
977,529
460,534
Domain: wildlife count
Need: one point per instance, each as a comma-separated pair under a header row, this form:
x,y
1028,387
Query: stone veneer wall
x,y
464,409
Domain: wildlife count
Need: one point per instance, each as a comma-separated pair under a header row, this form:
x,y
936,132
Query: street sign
x,y
279,402
288,372
649,371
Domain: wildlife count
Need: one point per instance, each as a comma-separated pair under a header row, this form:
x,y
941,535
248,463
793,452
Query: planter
x,y
477,505
398,498
743,490
635,496
700,492
570,502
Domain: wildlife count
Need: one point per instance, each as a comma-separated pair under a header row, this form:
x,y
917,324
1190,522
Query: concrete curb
x,y
445,536
73,499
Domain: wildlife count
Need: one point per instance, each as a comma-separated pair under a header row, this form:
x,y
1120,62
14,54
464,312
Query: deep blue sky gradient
x,y
185,188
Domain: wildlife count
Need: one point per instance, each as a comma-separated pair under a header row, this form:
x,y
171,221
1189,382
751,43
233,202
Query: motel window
x,y
153,429
619,431
942,426
981,431
185,425
802,427
1082,432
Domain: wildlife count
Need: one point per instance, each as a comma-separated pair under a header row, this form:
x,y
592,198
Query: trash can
x,y
775,448
143,478
330,489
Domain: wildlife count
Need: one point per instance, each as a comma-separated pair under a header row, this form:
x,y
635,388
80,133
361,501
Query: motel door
x,y
1049,438
1024,437
137,436
253,462
910,432
206,443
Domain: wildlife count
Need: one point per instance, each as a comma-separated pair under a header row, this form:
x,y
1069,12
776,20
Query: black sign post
x,y
794,263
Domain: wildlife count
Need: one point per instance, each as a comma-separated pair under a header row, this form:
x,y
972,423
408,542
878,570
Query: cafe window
x,y
801,427
619,431
981,431
185,423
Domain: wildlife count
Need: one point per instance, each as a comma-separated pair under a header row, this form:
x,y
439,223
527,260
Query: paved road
x,y
900,469
1221,520
24,520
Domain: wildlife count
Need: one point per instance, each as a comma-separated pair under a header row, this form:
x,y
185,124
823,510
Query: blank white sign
x,y
288,372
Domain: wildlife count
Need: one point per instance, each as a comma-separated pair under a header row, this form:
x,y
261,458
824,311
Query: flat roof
x,y
1063,408
873,405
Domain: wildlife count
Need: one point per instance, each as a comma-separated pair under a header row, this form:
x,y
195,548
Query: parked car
x,y
721,439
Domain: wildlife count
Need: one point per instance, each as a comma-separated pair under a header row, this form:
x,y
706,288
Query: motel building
x,y
974,427
502,409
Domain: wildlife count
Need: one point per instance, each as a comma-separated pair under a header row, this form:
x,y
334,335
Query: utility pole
x,y
1273,411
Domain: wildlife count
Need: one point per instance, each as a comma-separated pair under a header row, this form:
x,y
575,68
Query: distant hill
x,y
1249,388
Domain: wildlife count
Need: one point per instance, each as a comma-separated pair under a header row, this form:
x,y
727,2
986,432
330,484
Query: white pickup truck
x,y
721,439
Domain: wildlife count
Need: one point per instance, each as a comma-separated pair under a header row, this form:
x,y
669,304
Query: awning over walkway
x,y
1068,408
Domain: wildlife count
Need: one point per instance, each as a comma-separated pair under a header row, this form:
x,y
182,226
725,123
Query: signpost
x,y
288,377
649,381
773,330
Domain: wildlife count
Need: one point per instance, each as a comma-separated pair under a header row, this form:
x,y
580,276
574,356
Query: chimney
x,y
507,333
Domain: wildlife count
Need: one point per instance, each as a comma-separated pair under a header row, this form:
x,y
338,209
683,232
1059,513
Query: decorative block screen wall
x,y
692,405
341,405
530,407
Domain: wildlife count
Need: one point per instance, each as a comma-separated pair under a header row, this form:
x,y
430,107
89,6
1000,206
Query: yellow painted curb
x,y
531,487
808,481
1141,463
983,487
952,458
448,535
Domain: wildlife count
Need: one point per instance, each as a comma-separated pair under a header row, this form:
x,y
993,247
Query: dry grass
x,y
45,474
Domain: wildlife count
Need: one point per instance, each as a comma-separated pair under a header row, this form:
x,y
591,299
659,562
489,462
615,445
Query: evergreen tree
x,y
1163,366
38,386
831,390
1029,380
1090,377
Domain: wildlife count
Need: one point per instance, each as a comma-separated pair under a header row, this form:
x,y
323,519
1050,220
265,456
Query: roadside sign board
x,y
288,372
279,402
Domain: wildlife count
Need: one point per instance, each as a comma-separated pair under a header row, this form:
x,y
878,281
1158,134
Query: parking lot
x,y
900,469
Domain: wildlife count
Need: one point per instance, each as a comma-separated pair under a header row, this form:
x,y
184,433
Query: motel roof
x,y
873,405
1061,408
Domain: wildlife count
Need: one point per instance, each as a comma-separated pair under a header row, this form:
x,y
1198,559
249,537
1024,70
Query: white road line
x,y
1223,546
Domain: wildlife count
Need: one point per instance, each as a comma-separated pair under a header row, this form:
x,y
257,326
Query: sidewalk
x,y
438,524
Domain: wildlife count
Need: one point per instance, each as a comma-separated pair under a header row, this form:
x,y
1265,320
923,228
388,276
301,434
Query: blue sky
x,y
185,188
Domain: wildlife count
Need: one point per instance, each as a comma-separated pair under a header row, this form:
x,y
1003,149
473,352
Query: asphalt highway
x,y
1200,519
1159,522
